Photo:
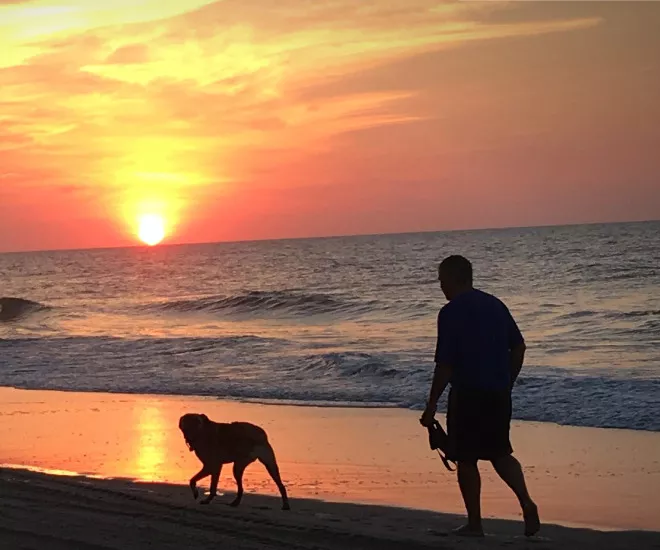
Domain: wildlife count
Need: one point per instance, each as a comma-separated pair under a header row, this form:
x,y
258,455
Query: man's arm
x,y
441,377
444,355
517,348
517,359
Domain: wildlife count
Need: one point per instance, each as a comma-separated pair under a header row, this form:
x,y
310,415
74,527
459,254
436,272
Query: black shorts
x,y
478,423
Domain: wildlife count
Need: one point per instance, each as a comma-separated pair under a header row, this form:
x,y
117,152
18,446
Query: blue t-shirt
x,y
476,333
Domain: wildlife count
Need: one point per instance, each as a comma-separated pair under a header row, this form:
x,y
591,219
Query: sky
x,y
254,119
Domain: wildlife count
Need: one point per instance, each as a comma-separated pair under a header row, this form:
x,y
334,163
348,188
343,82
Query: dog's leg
x,y
267,457
193,481
215,476
239,468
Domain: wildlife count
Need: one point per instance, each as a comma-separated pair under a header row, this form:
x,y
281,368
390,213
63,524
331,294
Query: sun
x,y
151,229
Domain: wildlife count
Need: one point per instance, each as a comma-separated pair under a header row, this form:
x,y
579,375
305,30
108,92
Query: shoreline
x,y
582,477
274,402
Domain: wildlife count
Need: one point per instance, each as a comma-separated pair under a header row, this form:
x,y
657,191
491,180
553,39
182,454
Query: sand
x,y
330,459
40,511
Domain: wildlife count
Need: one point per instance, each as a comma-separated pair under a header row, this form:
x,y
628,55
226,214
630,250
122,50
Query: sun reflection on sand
x,y
151,445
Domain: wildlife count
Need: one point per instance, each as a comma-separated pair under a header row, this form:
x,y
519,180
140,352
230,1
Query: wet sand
x,y
331,460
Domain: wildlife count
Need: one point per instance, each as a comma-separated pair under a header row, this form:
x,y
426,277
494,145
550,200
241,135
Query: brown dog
x,y
216,444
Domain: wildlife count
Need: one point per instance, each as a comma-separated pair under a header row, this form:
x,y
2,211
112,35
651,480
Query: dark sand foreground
x,y
39,511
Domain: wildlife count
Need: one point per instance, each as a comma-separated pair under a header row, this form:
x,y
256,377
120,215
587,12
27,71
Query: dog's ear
x,y
201,421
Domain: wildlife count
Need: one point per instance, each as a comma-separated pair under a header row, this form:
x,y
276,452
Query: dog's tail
x,y
266,455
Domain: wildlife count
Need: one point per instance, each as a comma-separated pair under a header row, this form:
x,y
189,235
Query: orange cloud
x,y
127,55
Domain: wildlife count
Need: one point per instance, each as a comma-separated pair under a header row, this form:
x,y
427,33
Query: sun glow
x,y
151,229
151,445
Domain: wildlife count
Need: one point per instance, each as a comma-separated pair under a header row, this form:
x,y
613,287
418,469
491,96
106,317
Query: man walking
x,y
480,352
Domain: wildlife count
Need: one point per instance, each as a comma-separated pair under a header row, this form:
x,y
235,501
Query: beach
x,y
358,476
324,219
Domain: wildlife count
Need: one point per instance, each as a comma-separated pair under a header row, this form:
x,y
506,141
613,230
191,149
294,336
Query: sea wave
x,y
612,271
252,368
269,302
608,315
12,309
577,315
644,313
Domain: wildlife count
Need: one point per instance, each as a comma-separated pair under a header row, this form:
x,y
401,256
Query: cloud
x,y
127,55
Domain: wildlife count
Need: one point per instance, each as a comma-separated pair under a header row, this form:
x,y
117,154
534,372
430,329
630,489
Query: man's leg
x,y
469,482
510,470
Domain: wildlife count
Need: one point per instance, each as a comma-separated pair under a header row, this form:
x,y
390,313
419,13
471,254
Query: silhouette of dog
x,y
217,443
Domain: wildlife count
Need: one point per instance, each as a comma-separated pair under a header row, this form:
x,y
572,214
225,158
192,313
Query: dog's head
x,y
193,426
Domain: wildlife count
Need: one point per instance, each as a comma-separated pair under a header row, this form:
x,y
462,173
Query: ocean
x,y
343,321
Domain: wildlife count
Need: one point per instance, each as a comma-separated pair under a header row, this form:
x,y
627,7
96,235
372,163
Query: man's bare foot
x,y
532,521
468,531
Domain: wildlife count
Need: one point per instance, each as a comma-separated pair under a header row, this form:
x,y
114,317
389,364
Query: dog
x,y
217,443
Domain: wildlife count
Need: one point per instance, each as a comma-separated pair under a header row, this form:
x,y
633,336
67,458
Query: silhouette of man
x,y
479,352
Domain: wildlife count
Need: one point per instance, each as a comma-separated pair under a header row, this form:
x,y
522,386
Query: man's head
x,y
455,276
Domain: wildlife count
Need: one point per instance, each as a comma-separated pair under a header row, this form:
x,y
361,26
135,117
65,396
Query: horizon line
x,y
322,237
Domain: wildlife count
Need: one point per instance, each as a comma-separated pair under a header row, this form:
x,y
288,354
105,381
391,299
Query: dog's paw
x,y
207,500
195,492
234,503
286,506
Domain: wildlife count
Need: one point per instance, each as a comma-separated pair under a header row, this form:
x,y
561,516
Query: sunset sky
x,y
251,119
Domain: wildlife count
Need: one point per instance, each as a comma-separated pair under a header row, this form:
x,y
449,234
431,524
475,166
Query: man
x,y
480,352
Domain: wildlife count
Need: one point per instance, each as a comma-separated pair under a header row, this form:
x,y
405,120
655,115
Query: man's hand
x,y
428,416
441,377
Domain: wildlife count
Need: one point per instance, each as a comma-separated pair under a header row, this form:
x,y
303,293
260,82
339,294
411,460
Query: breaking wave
x,y
275,302
12,309
252,368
